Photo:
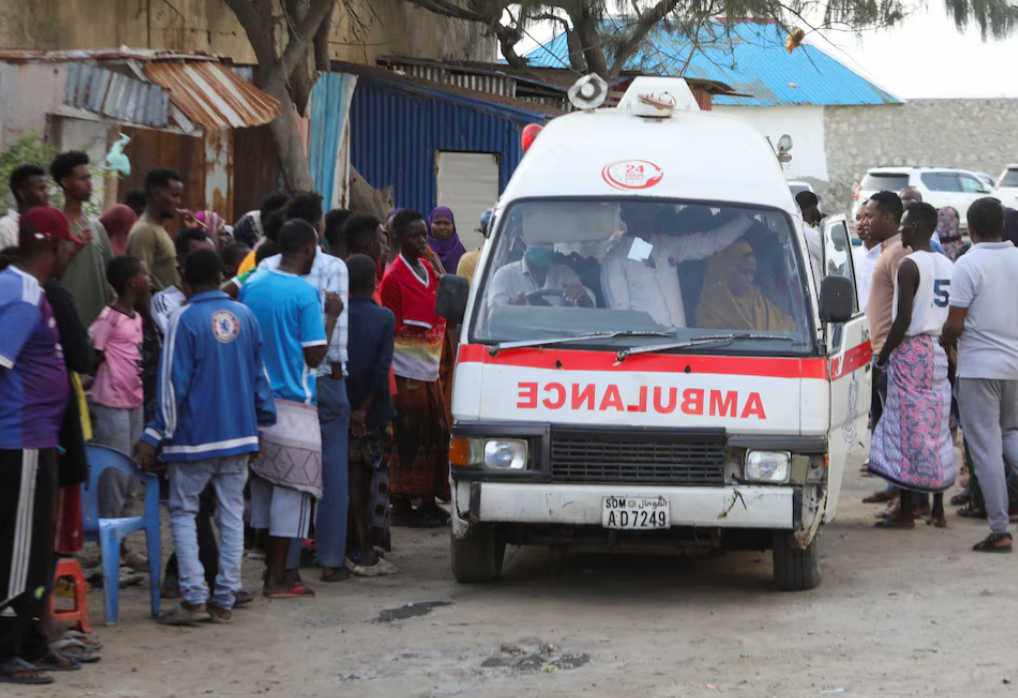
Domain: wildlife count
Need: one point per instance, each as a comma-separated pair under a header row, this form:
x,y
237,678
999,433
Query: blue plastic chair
x,y
108,533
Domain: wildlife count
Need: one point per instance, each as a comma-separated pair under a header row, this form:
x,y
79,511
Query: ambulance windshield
x,y
683,269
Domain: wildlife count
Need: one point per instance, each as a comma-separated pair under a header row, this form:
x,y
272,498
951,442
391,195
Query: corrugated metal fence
x,y
396,131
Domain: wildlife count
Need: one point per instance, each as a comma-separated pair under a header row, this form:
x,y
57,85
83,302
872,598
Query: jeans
x,y
187,481
990,411
330,526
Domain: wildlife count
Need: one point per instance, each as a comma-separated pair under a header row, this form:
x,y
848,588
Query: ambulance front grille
x,y
652,459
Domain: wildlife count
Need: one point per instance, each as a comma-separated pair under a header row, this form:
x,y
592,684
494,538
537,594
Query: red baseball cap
x,y
46,223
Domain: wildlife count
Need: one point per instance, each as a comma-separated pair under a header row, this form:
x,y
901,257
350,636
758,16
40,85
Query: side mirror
x,y
836,299
453,292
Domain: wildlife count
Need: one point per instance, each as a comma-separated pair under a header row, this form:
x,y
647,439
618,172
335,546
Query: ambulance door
x,y
849,352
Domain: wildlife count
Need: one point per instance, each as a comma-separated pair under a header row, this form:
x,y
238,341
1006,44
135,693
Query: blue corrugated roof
x,y
748,56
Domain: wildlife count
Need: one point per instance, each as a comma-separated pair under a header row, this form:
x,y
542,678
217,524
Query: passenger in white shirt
x,y
514,283
650,282
865,256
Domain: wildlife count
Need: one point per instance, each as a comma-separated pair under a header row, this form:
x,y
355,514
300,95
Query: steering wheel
x,y
538,297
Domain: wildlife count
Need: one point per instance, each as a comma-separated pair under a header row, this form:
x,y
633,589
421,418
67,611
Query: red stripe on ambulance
x,y
571,360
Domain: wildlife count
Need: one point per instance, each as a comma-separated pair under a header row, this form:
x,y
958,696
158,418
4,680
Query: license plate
x,y
636,513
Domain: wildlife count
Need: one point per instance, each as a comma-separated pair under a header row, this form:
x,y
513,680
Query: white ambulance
x,y
651,360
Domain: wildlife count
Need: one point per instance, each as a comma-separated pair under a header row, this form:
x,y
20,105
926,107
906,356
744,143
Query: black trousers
x,y
28,489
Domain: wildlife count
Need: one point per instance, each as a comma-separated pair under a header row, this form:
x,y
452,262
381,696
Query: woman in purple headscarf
x,y
442,238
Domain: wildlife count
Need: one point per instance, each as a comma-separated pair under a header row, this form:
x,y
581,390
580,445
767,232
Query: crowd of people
x,y
287,376
945,358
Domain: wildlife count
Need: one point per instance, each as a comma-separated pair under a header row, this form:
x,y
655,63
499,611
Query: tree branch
x,y
299,44
646,21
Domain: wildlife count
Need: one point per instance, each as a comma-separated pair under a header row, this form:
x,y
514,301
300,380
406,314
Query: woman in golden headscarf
x,y
731,301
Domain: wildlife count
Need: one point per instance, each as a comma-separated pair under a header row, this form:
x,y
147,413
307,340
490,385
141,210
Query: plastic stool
x,y
68,567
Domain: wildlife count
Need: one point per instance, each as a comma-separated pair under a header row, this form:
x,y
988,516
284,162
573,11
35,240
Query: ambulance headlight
x,y
768,466
505,454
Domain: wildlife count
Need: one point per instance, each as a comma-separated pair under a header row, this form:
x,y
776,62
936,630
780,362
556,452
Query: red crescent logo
x,y
632,174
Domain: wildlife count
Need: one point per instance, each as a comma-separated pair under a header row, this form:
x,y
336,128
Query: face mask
x,y
539,256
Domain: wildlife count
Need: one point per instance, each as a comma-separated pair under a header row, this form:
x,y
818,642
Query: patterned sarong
x,y
292,449
912,442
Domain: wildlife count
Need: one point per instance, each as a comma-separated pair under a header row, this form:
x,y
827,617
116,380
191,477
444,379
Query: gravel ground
x,y
900,613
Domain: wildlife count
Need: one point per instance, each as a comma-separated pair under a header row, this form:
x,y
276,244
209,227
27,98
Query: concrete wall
x,y
806,127
368,29
972,134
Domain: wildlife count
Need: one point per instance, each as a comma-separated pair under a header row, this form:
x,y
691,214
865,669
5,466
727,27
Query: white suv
x,y
1007,186
940,186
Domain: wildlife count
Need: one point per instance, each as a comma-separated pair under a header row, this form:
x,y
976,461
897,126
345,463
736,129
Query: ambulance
x,y
653,357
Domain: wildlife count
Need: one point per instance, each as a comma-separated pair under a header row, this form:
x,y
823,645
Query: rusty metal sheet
x,y
211,95
219,171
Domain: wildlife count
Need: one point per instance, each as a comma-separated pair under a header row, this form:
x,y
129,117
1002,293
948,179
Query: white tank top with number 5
x,y
933,297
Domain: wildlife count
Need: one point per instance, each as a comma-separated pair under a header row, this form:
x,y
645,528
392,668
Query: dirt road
x,y
900,613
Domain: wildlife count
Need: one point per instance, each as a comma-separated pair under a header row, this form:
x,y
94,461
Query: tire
x,y
796,569
476,558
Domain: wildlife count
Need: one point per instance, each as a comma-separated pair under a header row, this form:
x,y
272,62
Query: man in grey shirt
x,y
983,314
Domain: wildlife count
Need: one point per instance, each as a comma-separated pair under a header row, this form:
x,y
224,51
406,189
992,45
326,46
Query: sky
x,y
928,58
925,57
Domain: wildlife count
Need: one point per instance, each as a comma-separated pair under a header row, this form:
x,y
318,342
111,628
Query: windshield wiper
x,y
701,341
494,349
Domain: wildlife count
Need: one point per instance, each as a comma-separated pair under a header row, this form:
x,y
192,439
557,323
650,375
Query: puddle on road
x,y
410,610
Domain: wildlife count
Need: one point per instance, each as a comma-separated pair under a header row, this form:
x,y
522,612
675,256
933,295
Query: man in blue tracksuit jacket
x,y
213,397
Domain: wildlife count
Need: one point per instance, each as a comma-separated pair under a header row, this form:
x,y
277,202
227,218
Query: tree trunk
x,y
290,146
585,26
576,60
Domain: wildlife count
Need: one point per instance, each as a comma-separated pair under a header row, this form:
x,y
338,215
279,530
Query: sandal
x,y
21,672
223,616
892,523
381,568
960,500
179,615
880,497
57,661
989,544
968,512
298,592
76,649
339,574
242,597
89,642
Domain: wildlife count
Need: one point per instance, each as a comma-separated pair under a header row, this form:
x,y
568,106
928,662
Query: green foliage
x,y
30,150
33,150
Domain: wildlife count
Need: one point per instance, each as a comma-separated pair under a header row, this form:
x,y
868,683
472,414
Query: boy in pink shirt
x,y
117,396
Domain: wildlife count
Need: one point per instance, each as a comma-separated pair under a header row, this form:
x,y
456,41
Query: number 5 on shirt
x,y
941,296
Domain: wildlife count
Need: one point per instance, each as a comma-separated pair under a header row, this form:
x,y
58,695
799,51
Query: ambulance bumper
x,y
737,506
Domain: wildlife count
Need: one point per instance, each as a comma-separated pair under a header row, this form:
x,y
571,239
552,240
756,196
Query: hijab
x,y
451,249
721,309
947,231
118,221
212,222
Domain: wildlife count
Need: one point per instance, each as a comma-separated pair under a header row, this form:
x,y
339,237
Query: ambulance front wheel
x,y
477,557
796,569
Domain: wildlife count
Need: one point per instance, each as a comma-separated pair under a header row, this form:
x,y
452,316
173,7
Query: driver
x,y
536,272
